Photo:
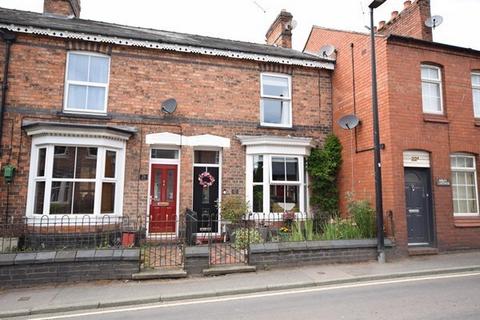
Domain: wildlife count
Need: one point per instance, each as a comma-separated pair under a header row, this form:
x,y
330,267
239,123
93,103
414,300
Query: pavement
x,y
104,294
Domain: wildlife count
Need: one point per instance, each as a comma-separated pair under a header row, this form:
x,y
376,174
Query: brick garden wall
x,y
41,268
293,254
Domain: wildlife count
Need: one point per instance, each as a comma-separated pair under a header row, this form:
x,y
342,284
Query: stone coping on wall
x,y
312,245
69,256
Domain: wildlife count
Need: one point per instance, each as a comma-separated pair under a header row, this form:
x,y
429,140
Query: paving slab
x,y
102,294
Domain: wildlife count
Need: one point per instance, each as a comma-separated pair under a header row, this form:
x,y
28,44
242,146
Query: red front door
x,y
163,198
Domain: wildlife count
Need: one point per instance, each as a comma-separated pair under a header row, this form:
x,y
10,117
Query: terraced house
x,y
104,121
429,109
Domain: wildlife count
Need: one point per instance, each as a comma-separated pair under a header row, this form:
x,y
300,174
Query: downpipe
x,y
9,39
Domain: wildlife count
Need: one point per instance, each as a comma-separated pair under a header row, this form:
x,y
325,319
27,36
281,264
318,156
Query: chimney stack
x,y
62,8
280,32
410,22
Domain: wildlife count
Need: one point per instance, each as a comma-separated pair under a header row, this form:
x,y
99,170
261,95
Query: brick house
x,y
89,119
429,110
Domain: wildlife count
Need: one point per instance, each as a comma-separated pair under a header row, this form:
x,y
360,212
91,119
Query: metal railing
x,y
164,243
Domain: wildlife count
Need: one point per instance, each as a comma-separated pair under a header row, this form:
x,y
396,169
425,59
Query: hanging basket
x,y
205,179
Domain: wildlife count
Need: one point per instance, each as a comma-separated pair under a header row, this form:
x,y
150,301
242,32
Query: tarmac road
x,y
451,296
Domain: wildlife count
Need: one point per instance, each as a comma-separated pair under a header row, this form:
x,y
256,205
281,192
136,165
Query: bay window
x,y
73,180
276,179
276,183
464,185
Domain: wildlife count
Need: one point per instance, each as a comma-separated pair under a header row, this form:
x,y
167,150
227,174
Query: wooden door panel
x,y
163,200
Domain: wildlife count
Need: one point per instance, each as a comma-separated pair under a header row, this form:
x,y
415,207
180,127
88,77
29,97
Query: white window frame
x,y
475,88
462,169
85,83
103,145
268,181
288,99
432,81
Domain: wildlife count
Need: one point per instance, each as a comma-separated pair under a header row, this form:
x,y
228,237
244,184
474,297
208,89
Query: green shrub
x,y
233,208
364,217
246,236
323,165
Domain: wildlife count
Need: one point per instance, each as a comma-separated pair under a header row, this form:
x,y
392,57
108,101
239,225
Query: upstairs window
x,y
86,82
476,93
275,104
432,89
464,185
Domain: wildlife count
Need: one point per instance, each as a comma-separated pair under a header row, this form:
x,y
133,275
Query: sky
x,y
248,20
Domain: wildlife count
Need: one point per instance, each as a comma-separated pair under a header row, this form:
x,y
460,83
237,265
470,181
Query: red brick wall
x,y
359,178
215,95
412,131
410,22
403,126
62,7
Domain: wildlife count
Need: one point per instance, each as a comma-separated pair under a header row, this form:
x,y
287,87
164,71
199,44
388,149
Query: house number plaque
x,y
443,182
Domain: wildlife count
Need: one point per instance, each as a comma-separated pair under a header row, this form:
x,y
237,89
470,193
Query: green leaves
x,y
323,165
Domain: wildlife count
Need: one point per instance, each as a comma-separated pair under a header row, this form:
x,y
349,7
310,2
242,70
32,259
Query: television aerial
x,y
169,106
434,21
326,50
349,122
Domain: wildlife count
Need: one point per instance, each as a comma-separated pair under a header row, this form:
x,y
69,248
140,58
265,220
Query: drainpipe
x,y
9,38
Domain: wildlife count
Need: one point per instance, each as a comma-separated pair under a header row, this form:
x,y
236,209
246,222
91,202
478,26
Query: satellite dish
x,y
434,21
326,50
292,25
349,121
169,106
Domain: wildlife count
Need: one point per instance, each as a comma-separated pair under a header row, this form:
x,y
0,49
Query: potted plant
x,y
233,209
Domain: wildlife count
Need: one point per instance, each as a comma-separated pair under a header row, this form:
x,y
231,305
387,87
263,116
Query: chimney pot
x,y
407,4
394,14
381,24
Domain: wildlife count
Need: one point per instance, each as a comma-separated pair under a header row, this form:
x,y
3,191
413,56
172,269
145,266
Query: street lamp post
x,y
376,140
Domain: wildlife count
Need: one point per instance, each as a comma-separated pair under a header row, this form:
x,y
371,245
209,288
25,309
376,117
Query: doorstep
x,y
227,269
160,274
422,251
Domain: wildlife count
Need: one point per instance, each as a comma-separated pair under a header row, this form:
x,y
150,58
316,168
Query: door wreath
x,y
206,179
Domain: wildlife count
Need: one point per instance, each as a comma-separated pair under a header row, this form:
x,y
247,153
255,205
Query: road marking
x,y
261,295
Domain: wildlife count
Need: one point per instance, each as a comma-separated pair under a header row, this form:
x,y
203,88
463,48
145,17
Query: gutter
x,y
150,44
9,39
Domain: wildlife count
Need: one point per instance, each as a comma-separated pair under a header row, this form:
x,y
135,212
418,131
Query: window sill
x,y
260,126
467,222
84,115
435,118
477,122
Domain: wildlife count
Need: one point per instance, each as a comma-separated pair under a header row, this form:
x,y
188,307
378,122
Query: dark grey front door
x,y
205,200
418,197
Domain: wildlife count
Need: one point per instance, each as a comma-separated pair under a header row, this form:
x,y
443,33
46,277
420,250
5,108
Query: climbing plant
x,y
323,165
